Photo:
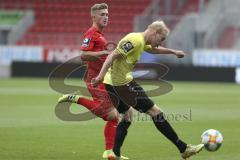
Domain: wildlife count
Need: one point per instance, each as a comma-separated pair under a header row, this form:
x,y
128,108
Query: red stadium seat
x,y
228,37
56,19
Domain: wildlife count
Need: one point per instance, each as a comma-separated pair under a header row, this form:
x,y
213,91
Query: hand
x,y
179,54
95,81
110,46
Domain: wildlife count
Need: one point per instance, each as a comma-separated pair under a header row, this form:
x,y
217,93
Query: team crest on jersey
x,y
86,42
127,46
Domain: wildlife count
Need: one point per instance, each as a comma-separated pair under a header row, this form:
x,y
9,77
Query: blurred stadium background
x,y
38,35
46,31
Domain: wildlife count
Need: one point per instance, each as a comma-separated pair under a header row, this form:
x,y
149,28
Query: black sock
x,y
165,128
121,133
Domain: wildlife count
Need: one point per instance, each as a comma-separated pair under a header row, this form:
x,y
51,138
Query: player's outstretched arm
x,y
106,65
93,56
163,50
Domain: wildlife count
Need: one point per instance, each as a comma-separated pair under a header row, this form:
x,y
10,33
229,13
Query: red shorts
x,y
101,98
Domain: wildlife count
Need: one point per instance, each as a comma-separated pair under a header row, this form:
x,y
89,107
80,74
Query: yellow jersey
x,y
130,47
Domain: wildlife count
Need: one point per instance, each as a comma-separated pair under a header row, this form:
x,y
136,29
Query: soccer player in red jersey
x,y
94,52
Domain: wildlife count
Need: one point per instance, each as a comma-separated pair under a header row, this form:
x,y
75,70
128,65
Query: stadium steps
x,y
228,37
68,19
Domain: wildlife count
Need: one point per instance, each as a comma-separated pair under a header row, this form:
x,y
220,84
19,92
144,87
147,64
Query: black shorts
x,y
131,94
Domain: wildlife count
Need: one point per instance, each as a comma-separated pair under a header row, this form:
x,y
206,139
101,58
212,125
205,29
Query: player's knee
x,y
155,110
128,116
112,115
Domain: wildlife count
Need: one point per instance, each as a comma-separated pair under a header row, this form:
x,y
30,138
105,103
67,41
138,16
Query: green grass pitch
x,y
29,129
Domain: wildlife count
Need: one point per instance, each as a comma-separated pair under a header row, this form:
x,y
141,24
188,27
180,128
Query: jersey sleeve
x,y
126,47
88,42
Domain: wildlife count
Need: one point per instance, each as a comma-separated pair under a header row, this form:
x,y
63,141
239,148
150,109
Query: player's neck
x,y
98,27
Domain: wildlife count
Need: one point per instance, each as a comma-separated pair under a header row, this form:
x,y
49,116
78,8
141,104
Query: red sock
x,y
110,127
89,104
109,133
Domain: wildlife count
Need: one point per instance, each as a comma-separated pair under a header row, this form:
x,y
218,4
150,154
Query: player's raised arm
x,y
154,35
163,50
107,64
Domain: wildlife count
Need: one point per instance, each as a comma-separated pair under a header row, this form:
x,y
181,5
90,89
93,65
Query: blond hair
x,y
98,6
160,27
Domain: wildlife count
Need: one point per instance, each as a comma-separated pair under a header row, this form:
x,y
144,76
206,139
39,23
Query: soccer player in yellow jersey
x,y
116,74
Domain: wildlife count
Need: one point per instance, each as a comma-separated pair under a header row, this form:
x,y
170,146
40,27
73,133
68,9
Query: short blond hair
x,y
98,6
160,27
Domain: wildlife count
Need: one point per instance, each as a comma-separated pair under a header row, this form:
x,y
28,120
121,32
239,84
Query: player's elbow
x,y
87,56
85,53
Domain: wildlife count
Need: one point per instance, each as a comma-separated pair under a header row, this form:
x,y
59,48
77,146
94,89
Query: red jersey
x,y
94,40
